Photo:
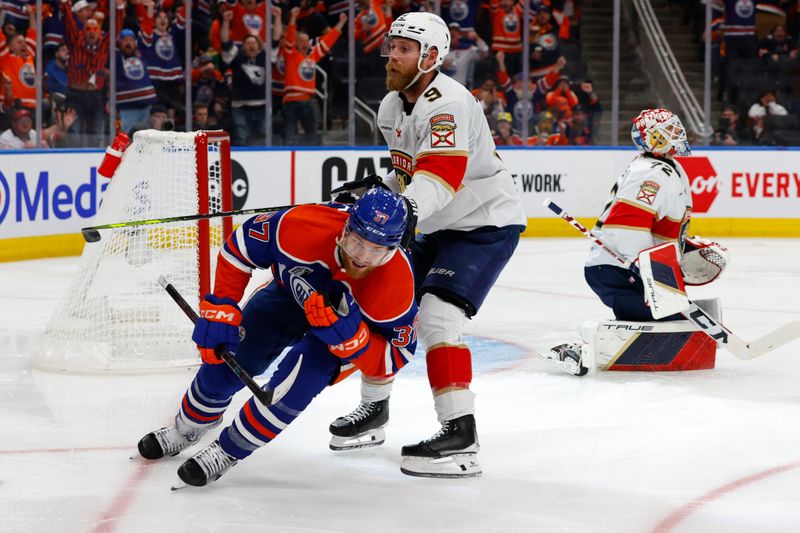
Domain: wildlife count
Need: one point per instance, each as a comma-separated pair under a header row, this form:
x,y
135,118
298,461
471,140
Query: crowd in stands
x,y
229,65
756,67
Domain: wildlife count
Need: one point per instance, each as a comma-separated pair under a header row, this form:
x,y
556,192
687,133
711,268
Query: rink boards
x,y
47,196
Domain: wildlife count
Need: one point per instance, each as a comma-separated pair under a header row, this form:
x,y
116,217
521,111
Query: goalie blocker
x,y
638,346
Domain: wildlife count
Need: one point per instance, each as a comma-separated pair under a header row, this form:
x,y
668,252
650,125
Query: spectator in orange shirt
x,y
18,67
507,32
372,24
300,61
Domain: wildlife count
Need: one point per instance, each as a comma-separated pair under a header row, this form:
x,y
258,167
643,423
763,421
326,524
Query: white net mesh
x,y
115,316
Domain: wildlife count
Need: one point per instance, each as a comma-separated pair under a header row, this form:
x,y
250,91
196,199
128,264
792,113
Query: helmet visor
x,y
363,252
394,46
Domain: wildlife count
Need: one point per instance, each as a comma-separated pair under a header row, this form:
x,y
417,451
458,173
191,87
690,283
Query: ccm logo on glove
x,y
342,329
217,329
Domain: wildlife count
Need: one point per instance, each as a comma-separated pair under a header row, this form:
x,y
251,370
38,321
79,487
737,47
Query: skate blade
x,y
376,437
179,486
452,466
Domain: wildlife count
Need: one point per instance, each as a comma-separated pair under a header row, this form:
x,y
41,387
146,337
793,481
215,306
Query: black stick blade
x,y
90,235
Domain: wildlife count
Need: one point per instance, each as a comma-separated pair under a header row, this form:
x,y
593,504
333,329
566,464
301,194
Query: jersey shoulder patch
x,y
307,233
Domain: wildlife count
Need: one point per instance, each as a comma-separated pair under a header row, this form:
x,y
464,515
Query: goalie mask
x,y
428,29
659,132
375,228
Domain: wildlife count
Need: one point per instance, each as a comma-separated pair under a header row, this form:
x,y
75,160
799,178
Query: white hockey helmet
x,y
428,29
659,132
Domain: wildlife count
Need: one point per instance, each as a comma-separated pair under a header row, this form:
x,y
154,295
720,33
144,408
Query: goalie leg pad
x,y
652,346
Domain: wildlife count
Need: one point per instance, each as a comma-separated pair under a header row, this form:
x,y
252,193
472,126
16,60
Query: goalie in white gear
x,y
470,220
651,204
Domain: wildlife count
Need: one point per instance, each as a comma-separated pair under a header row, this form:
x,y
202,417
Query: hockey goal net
x,y
115,316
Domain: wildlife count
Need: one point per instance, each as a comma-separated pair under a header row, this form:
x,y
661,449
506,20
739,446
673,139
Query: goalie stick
x,y
724,337
266,397
92,233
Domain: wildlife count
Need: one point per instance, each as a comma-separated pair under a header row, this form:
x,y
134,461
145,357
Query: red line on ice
x,y
675,518
109,519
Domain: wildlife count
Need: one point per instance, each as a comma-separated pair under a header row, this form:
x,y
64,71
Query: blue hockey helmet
x,y
379,217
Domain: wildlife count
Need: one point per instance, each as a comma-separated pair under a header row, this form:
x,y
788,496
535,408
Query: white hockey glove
x,y
703,261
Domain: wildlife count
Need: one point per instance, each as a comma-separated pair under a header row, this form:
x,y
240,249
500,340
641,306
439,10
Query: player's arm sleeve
x,y
441,157
251,246
390,346
390,180
636,214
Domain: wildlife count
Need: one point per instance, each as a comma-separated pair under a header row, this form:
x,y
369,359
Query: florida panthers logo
x,y
134,68
459,10
443,131
511,23
165,48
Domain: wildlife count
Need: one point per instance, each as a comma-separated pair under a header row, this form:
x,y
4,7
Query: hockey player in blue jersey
x,y
342,298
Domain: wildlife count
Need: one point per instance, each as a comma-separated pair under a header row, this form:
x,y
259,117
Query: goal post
x,y
115,317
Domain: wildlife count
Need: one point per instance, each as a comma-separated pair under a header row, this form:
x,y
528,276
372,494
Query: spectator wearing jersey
x,y
248,93
371,25
209,88
159,41
581,132
18,68
248,18
544,34
55,73
537,90
135,91
777,46
562,96
21,134
739,29
16,12
300,60
507,32
86,77
462,12
465,51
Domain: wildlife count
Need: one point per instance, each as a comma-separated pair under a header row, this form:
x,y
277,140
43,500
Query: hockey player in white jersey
x,y
470,219
651,204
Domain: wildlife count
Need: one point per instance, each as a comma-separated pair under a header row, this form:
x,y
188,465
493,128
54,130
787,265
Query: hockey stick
x,y
92,233
709,326
265,397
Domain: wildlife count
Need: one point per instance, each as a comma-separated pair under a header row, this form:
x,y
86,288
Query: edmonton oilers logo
x,y
459,10
134,68
370,19
744,8
165,49
5,197
306,69
510,22
27,75
251,21
280,64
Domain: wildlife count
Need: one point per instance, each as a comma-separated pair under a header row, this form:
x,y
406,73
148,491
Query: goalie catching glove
x,y
217,329
343,329
702,261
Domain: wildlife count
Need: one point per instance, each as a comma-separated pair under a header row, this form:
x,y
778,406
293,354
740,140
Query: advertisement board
x,y
47,196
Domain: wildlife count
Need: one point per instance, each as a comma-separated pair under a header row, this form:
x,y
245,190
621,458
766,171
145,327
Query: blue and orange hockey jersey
x,y
299,246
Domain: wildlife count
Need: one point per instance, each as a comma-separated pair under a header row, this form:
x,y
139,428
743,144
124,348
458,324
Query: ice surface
x,y
705,451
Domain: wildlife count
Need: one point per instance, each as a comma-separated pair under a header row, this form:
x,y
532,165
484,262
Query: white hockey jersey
x,y
651,203
444,159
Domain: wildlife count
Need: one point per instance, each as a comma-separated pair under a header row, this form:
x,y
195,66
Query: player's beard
x,y
396,78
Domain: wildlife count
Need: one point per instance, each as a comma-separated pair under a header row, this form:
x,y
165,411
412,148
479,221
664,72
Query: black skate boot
x,y
207,465
362,428
172,440
452,452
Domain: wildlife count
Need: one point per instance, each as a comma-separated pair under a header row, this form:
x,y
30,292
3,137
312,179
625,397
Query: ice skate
x,y
171,441
567,357
451,453
206,466
362,428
